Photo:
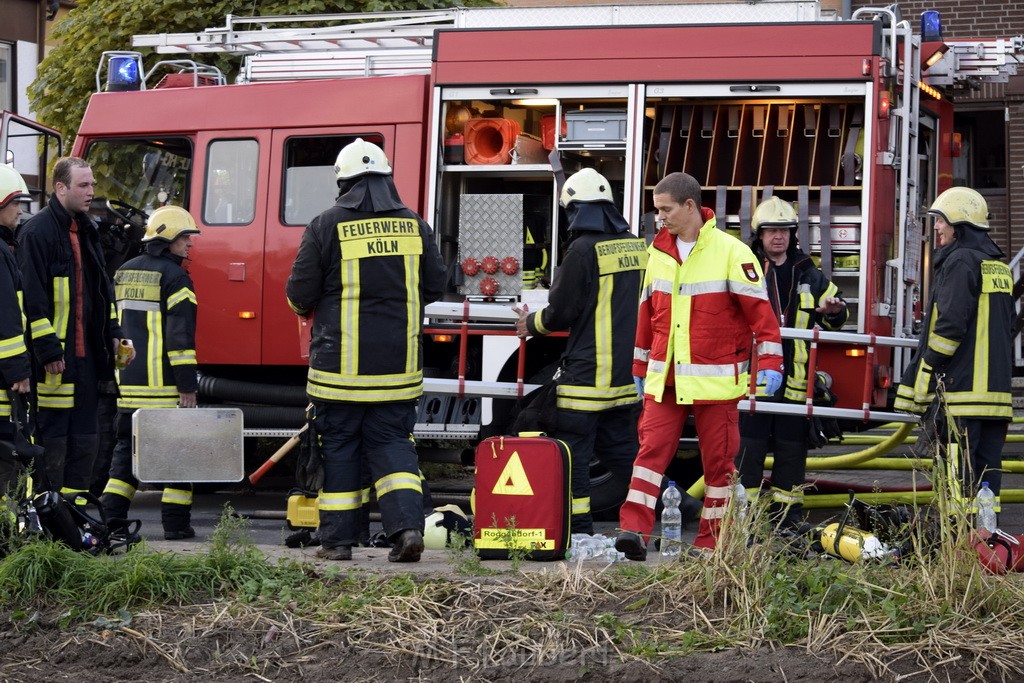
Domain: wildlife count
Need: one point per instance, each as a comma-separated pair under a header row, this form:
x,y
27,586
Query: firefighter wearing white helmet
x,y
15,364
594,295
156,303
364,270
801,297
968,339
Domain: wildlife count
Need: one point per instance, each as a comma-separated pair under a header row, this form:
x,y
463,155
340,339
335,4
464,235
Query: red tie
x,y
79,287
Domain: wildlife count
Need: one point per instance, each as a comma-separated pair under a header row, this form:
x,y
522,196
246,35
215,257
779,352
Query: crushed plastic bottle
x,y
739,502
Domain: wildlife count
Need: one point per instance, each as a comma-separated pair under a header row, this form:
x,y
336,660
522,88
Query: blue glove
x,y
771,380
639,382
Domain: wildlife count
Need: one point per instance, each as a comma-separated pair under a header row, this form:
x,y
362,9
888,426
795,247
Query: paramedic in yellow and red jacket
x,y
703,310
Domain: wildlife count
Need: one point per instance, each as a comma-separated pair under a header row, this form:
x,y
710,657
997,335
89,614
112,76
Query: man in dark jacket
x,y
15,364
69,304
967,344
364,271
801,297
157,306
594,294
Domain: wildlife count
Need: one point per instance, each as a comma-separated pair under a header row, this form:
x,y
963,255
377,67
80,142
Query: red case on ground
x,y
522,497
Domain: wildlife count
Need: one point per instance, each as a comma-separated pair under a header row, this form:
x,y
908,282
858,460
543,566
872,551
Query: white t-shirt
x,y
684,249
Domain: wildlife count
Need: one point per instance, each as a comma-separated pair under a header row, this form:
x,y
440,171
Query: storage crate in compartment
x,y
597,125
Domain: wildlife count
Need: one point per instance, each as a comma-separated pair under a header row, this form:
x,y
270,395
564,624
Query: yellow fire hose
x,y
835,462
835,500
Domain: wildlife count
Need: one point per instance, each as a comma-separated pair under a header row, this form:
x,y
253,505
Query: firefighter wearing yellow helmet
x,y
968,338
156,304
364,270
801,297
15,364
594,295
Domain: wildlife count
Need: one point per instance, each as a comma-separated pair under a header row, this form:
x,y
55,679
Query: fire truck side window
x,y
309,186
230,194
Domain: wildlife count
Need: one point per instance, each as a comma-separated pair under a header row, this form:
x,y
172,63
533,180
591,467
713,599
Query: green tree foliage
x,y
67,76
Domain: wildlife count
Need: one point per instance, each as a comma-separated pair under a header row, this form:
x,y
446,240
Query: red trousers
x,y
661,425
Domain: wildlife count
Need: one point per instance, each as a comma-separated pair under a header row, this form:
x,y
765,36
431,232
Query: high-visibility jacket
x,y
47,265
968,334
366,277
595,294
14,361
808,289
157,307
699,320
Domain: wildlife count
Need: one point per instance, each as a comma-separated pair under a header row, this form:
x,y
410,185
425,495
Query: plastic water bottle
x,y
671,522
585,547
986,505
739,502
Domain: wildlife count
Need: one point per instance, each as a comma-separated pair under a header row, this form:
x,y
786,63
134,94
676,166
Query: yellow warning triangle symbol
x,y
513,480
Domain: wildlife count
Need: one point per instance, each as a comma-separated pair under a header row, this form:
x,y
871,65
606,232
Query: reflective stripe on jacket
x,y
702,318
365,277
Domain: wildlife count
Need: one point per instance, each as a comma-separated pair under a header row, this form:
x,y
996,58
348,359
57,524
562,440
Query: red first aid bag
x,y
522,497
1000,552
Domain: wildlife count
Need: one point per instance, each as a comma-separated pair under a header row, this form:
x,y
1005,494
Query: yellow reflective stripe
x,y
364,495
184,357
538,322
5,409
334,386
155,347
923,380
981,345
397,481
113,311
581,506
296,309
148,391
53,394
341,500
119,487
592,399
940,344
412,313
136,403
41,328
974,410
348,349
603,332
61,306
787,497
176,496
183,294
12,346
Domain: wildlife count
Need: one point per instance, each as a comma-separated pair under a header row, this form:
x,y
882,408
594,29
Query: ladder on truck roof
x,y
381,43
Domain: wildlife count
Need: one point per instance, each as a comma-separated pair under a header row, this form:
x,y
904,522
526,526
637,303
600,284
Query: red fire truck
x,y
482,112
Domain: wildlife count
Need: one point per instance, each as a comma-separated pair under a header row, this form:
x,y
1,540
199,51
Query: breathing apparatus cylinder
x,y
852,544
56,518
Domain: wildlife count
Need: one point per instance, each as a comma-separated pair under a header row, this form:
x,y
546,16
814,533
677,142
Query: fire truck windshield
x,y
142,173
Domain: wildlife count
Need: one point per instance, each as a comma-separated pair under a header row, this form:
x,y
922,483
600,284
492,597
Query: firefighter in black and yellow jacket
x,y
967,342
594,294
364,271
69,306
157,306
802,298
15,364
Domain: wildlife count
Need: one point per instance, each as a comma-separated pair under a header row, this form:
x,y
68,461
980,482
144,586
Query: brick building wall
x,y
987,19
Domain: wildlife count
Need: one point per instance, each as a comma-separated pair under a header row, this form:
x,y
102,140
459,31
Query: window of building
x,y
982,161
310,186
231,171
6,78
